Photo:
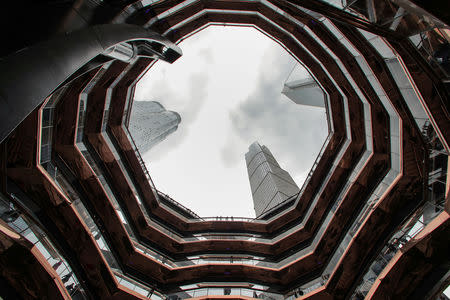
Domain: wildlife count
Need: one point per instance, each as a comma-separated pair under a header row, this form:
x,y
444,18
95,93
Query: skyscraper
x,y
361,227
151,123
301,90
270,184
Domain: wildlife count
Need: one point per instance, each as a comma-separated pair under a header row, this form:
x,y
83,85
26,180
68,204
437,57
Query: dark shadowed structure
x,y
81,217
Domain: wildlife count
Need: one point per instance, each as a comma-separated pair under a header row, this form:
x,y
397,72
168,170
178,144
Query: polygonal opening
x,y
232,86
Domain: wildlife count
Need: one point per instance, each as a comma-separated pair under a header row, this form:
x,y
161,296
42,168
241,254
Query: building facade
x,y
303,90
269,183
150,123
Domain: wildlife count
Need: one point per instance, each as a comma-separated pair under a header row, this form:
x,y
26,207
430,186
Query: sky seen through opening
x,y
227,89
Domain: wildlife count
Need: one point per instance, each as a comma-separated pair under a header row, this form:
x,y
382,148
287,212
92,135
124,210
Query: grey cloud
x,y
233,151
198,84
292,132
207,55
159,89
196,97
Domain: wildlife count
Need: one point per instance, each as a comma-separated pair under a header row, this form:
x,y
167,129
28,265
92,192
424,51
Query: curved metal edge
x,y
31,74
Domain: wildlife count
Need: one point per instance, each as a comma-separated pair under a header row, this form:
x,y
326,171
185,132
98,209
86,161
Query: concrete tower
x,y
270,184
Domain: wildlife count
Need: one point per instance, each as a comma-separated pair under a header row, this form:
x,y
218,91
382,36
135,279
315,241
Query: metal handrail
x,y
228,219
171,200
135,285
397,241
278,206
367,209
308,178
244,286
35,235
305,183
139,157
147,175
428,47
220,218
158,193
316,162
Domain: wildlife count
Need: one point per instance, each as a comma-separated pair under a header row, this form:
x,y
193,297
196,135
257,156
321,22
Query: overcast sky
x,y
227,89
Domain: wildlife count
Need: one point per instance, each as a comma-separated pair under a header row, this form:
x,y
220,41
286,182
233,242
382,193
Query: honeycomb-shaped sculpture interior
x,y
74,168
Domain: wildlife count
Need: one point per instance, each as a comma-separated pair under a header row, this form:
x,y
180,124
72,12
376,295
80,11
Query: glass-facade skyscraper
x,y
303,90
78,205
269,183
150,123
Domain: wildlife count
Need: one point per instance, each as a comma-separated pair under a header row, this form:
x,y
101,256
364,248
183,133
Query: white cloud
x,y
226,87
293,133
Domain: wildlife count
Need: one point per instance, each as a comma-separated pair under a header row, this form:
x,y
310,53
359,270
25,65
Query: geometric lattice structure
x,y
270,184
150,124
79,207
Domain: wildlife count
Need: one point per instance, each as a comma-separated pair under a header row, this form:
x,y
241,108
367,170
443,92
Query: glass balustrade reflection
x,y
28,229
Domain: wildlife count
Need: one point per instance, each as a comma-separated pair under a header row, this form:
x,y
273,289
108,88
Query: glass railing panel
x,y
25,227
408,92
102,243
226,289
106,187
133,285
240,12
96,234
358,91
368,129
184,208
336,3
117,207
148,2
226,258
47,118
410,228
125,172
394,132
316,198
109,92
83,101
154,255
169,12
408,231
141,161
347,112
407,86
347,128
98,172
432,44
157,296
